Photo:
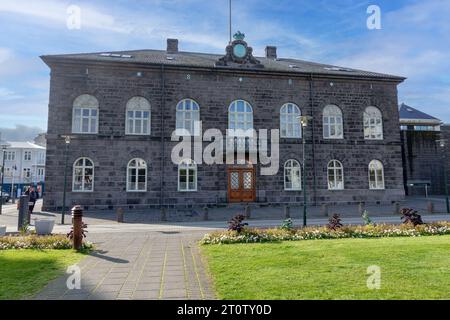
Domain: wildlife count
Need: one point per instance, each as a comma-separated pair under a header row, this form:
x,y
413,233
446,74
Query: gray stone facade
x,y
114,83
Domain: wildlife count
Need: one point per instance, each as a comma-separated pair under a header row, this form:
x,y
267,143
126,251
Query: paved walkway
x,y
140,266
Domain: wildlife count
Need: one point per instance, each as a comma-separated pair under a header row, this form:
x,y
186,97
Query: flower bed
x,y
53,242
316,233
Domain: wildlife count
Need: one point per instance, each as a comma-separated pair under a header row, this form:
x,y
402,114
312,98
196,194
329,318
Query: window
x,y
137,176
289,122
187,176
40,174
292,176
10,156
83,175
188,118
85,115
335,175
373,124
376,175
332,123
138,118
27,155
240,116
27,173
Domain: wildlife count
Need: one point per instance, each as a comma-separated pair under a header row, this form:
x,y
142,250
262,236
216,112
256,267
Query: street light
x,y
442,143
3,145
304,120
67,140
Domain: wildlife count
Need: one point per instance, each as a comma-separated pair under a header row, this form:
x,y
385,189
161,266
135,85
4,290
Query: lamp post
x,y
304,124
442,143
67,140
4,145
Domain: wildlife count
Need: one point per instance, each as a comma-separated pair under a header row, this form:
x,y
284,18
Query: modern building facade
x,y
424,160
24,166
121,110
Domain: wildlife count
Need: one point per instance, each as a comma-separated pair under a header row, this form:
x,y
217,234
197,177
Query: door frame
x,y
241,171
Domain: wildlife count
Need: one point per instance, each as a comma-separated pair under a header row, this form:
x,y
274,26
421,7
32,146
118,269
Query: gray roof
x,y
407,112
203,60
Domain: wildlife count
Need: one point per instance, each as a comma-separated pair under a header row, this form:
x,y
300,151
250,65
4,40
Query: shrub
x,y
410,216
236,223
366,218
316,233
287,224
334,223
55,242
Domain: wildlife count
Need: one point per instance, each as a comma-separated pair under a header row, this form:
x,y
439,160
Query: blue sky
x,y
414,40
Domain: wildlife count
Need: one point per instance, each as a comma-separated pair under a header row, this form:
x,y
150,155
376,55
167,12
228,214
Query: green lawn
x,y
24,273
411,268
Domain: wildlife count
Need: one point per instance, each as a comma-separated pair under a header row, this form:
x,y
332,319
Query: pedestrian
x,y
33,198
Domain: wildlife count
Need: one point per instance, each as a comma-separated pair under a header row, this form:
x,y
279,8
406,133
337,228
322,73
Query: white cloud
x,y
7,95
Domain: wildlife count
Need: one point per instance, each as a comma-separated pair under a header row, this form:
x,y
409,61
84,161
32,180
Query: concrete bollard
x,y
205,214
287,212
324,210
119,215
77,220
430,207
248,212
163,214
397,208
361,208
24,212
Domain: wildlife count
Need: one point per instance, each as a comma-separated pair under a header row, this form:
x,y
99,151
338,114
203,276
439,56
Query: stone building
x,y
121,109
423,157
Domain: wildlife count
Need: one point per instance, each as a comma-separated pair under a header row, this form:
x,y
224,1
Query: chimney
x,y
271,52
172,45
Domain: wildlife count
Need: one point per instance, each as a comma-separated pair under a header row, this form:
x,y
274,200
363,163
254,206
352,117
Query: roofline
x,y
50,60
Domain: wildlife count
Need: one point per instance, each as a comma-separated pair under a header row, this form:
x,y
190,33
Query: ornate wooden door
x,y
241,185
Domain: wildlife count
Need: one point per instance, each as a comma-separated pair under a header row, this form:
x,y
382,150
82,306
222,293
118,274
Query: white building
x,y
24,165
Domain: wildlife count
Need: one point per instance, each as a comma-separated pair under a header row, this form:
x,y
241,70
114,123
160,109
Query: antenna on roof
x,y
231,32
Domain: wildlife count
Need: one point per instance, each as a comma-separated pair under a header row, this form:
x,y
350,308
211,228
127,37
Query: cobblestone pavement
x,y
139,266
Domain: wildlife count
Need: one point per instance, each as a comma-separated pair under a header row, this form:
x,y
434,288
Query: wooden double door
x,y
242,185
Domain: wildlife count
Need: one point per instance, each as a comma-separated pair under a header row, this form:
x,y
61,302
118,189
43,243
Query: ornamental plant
x,y
335,222
52,242
411,216
366,218
287,225
237,224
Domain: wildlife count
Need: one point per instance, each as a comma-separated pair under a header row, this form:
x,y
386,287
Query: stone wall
x,y
214,90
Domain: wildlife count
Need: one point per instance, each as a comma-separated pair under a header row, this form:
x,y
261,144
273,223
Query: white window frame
x,y
10,156
333,118
83,103
291,165
373,124
336,166
187,118
138,105
27,156
137,167
234,116
290,119
83,167
188,165
377,165
27,173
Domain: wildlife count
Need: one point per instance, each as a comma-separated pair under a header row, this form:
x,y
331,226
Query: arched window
x,y
138,118
289,122
335,175
137,176
187,176
240,115
332,123
292,176
376,175
85,115
83,175
188,118
373,124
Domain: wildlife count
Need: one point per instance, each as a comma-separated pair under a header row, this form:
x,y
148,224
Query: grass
x,y
23,273
411,268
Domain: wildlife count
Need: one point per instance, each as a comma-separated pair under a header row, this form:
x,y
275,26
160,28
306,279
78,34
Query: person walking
x,y
31,192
